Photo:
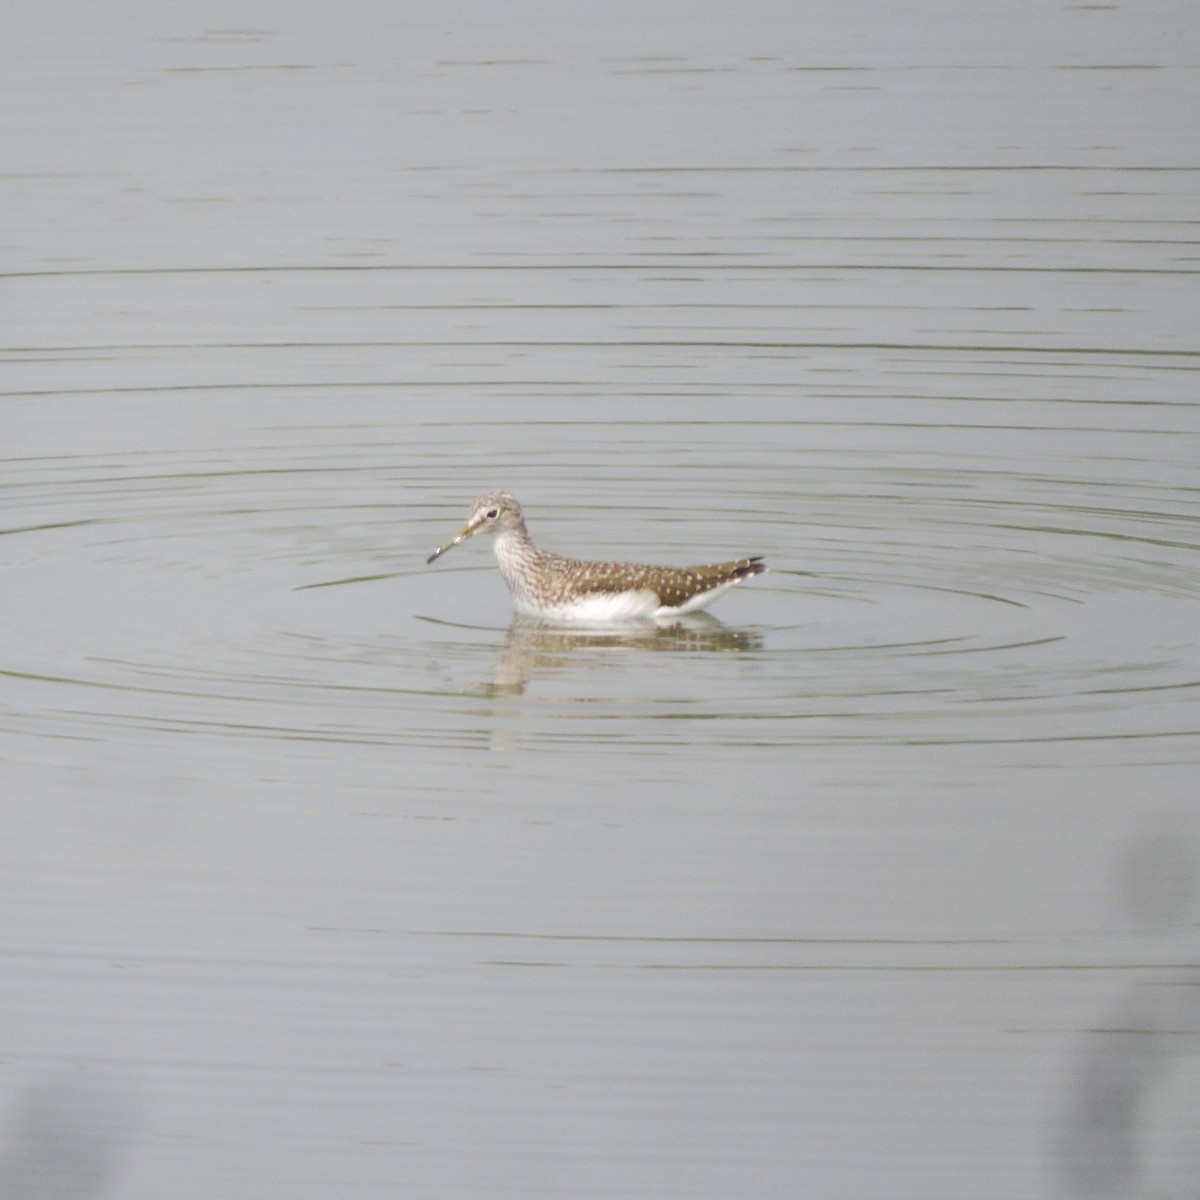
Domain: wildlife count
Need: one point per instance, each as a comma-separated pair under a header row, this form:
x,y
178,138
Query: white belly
x,y
600,608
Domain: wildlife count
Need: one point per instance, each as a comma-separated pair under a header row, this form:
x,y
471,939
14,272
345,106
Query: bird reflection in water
x,y
534,649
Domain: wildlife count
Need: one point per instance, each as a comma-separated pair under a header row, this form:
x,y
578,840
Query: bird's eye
x,y
493,513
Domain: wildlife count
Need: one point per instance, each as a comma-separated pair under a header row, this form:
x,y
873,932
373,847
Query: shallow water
x,y
322,874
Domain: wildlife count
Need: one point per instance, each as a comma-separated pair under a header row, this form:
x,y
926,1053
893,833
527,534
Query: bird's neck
x,y
517,556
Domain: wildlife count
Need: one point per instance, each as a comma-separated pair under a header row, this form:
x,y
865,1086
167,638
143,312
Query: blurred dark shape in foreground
x,y
65,1136
1113,1144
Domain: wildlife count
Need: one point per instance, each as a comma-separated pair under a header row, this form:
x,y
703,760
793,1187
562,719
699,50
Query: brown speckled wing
x,y
672,585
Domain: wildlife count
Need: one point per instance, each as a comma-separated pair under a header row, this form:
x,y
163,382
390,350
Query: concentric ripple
x,y
213,592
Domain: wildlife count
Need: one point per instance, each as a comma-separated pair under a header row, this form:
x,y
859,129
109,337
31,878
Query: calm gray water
x,y
322,876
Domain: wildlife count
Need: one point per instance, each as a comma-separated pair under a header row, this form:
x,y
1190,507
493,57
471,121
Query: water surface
x,y
322,874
